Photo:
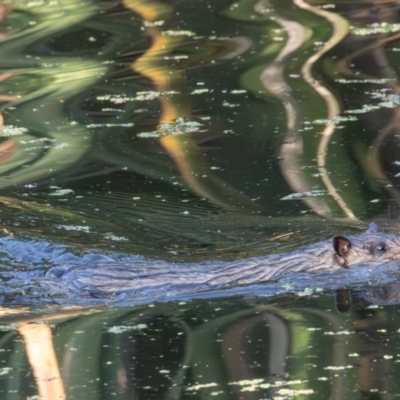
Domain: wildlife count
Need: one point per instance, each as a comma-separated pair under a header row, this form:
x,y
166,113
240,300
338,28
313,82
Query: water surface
x,y
192,131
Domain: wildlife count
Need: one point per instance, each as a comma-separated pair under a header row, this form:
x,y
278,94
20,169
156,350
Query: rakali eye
x,y
380,248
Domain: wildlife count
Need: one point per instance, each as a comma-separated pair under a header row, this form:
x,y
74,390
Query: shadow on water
x,y
197,131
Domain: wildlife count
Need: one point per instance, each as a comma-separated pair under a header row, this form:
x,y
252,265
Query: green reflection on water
x,y
228,348
85,103
79,135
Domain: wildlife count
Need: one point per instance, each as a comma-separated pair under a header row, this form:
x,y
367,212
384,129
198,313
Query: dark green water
x,y
234,348
199,130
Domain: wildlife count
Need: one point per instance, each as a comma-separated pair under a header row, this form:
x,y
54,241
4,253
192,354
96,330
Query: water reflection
x,y
202,111
241,348
185,119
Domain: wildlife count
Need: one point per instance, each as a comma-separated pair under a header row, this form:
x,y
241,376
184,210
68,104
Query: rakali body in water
x,y
102,277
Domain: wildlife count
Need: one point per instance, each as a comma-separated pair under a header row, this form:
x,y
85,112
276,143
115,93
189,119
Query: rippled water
x,y
190,131
235,348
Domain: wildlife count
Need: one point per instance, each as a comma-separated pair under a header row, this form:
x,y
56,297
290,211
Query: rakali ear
x,y
372,228
342,248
